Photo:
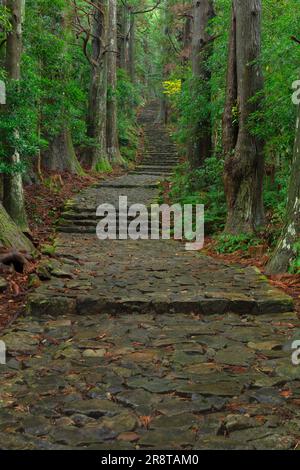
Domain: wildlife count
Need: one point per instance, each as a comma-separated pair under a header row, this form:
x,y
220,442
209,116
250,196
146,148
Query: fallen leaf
x,y
145,421
286,393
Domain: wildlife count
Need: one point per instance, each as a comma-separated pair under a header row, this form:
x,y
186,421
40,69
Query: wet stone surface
x,y
117,276
143,345
113,276
154,381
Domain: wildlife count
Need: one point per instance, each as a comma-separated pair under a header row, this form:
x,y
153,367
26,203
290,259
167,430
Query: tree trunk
x,y
124,40
97,113
230,124
13,194
165,53
61,155
10,234
187,39
113,150
244,166
286,251
131,49
199,147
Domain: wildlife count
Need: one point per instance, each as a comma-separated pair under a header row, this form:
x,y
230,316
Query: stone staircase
x,y
91,276
160,159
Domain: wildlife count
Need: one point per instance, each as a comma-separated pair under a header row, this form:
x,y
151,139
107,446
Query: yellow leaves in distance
x,y
172,87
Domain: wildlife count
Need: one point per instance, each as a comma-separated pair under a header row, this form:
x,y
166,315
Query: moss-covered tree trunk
x,y
113,149
13,194
244,165
200,144
131,48
165,59
230,124
288,246
97,113
10,234
124,36
61,155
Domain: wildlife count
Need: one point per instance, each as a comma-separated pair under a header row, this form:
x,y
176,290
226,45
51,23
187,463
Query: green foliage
x,y
232,243
274,122
204,186
192,106
127,99
19,114
295,265
103,166
4,21
50,94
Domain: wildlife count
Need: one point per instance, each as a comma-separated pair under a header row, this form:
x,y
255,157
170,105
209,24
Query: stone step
x,y
59,305
160,176
159,162
89,219
151,277
87,223
159,156
150,173
72,229
82,215
90,228
159,168
161,150
145,276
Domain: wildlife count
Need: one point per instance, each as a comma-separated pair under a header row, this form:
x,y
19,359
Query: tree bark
x,y
286,250
230,124
244,165
61,155
199,147
186,38
11,235
165,53
13,194
124,39
131,49
113,150
97,112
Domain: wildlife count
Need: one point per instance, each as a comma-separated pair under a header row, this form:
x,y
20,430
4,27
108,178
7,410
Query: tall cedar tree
x,y
244,165
199,147
288,246
13,195
97,112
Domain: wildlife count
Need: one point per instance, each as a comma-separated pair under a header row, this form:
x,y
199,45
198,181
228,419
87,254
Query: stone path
x,y
142,345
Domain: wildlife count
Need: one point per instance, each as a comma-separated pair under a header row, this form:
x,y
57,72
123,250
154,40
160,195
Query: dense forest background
x,y
76,73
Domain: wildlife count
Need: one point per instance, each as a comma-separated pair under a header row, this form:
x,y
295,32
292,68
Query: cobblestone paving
x,y
151,382
142,345
89,275
145,276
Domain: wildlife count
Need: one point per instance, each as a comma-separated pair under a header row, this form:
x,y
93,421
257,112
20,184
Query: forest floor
x,y
144,345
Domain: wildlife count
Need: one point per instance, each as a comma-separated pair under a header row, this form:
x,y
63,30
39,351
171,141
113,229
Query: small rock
x,y
128,437
64,421
43,273
94,353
